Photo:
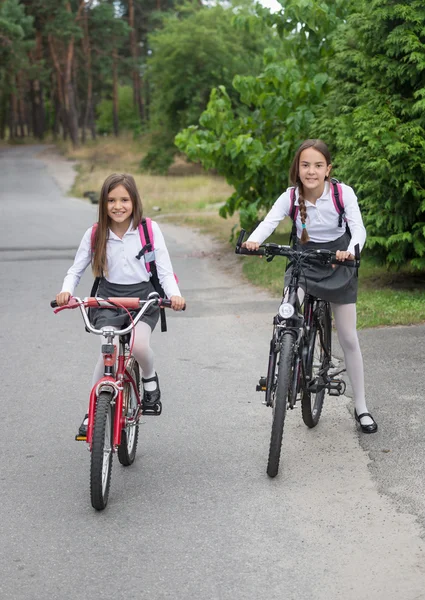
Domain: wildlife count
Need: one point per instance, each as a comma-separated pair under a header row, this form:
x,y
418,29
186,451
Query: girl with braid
x,y
318,226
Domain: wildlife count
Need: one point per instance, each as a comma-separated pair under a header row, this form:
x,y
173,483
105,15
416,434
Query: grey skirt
x,y
334,284
100,317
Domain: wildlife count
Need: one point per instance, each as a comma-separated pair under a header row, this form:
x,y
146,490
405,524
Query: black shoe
x,y
151,401
366,428
82,430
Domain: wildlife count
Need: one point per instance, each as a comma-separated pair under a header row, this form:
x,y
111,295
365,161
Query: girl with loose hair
x,y
319,226
114,254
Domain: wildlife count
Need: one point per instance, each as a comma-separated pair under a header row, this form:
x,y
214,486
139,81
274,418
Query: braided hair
x,y
294,176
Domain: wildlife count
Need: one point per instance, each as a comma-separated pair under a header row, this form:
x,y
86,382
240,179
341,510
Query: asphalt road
x,y
196,516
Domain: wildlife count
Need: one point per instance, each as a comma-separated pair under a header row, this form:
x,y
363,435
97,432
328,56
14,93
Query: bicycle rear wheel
x,y
317,364
280,401
101,452
130,435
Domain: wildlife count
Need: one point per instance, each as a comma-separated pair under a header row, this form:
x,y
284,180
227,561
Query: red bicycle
x,y
115,405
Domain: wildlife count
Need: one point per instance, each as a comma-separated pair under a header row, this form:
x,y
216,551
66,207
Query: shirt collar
x,y
326,195
130,231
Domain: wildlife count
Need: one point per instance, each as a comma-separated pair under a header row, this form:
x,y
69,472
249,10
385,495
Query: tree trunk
x,y
92,122
13,113
38,116
88,116
3,115
66,90
70,100
20,105
115,91
137,94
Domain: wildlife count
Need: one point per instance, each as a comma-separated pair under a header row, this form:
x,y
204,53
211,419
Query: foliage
x,y
127,113
375,117
197,49
15,30
252,143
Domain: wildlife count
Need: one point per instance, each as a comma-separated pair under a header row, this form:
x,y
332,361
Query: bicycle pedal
x,y
262,385
336,387
81,438
155,410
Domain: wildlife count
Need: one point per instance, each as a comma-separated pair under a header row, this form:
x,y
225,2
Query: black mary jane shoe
x,y
151,401
371,428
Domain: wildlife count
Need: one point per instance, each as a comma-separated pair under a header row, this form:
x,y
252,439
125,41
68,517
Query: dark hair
x,y
99,265
294,176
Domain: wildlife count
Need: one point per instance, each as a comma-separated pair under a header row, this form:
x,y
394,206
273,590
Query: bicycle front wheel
x,y
280,402
101,452
130,435
317,364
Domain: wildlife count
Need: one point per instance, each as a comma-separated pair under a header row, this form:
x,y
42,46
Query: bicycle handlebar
x,y
129,303
93,302
326,256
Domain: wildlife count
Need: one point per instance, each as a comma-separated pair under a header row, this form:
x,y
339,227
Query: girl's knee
x,y
349,343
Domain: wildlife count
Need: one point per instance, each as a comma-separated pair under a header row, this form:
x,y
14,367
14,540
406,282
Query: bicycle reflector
x,y
286,310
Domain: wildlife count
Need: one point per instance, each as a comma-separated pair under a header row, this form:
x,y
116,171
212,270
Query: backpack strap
x,y
338,200
93,236
293,213
148,253
148,243
96,282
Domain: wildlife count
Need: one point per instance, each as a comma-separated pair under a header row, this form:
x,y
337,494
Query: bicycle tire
x,y
130,434
101,451
280,401
319,351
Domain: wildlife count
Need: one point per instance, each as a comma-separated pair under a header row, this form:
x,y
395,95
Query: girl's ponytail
x,y
303,214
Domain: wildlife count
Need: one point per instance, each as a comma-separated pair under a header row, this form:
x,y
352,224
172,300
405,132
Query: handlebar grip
x,y
240,238
249,252
165,303
53,304
345,263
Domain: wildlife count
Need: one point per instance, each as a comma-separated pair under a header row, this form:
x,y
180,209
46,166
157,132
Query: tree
x,y
252,142
195,50
16,31
375,118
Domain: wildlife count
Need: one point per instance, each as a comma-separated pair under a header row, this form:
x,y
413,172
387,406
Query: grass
x,y
190,197
186,191
385,297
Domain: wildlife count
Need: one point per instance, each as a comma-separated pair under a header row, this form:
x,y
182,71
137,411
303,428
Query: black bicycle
x,y
300,359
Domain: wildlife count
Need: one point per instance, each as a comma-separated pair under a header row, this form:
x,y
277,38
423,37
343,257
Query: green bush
x,y
127,115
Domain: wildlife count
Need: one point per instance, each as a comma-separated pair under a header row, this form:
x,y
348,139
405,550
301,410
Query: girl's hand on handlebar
x,y
177,302
63,298
343,255
251,245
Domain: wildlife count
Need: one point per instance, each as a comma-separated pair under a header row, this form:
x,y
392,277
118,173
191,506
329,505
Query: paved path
x,y
196,516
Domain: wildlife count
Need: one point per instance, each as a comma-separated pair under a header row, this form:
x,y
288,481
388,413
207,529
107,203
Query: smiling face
x,y
120,206
313,170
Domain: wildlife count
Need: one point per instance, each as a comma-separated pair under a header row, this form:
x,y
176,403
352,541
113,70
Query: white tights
x,y
345,316
142,352
345,321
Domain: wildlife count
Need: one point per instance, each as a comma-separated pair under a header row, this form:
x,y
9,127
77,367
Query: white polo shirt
x,y
322,218
123,266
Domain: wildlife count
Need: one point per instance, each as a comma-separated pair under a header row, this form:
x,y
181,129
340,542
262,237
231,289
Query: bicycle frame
x,y
290,321
116,385
113,379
